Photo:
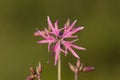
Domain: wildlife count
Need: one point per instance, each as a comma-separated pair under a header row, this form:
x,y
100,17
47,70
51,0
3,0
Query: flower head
x,y
58,36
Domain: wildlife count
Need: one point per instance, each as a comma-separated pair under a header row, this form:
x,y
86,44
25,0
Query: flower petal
x,y
49,47
64,51
72,25
72,32
46,31
36,34
43,41
73,52
70,36
74,40
40,33
77,47
69,28
56,30
57,51
50,25
76,30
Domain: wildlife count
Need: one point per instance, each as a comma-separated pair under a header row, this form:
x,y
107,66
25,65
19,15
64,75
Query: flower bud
x,y
39,68
88,69
29,78
78,63
67,23
32,71
71,67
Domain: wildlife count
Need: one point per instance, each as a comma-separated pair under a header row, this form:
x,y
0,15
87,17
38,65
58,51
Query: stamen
x,y
60,33
61,45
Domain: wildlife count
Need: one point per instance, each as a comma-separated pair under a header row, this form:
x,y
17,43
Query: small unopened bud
x,y
78,63
67,23
88,69
32,71
35,74
39,68
71,67
29,78
81,67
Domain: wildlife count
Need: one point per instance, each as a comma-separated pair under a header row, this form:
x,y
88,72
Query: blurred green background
x,y
101,37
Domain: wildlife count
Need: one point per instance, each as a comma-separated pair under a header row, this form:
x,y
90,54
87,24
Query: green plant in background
x,y
57,39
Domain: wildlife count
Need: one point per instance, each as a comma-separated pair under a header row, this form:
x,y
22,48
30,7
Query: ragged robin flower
x,y
57,37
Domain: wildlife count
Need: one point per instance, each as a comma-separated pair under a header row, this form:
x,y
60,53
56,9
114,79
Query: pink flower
x,y
56,36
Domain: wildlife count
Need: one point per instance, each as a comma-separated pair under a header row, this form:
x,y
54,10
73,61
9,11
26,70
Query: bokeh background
x,y
101,37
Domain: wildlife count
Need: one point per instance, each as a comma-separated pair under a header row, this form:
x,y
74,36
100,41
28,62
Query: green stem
x,y
76,76
59,68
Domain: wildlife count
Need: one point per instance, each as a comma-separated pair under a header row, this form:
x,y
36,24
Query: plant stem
x,y
59,68
76,76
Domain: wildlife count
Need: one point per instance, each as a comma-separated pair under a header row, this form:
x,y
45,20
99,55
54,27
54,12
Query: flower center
x,y
60,36
60,33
